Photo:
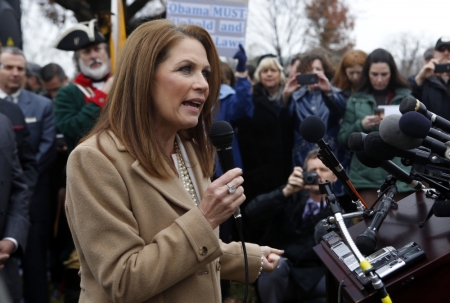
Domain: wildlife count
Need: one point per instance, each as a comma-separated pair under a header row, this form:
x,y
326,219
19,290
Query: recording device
x,y
409,104
385,261
221,135
367,241
442,68
306,79
310,178
379,111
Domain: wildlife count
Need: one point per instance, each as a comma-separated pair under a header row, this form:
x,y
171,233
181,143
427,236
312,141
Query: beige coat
x,y
140,238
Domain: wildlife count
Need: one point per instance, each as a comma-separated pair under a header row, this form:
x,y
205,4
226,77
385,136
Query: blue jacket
x,y
329,109
236,106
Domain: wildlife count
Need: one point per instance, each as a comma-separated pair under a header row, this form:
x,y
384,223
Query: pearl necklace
x,y
184,174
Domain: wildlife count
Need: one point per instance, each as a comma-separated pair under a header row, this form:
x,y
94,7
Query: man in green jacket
x,y
78,105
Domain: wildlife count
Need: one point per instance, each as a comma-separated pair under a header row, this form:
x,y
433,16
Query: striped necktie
x,y
311,208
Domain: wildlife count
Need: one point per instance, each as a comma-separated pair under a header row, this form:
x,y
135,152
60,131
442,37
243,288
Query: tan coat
x,y
140,238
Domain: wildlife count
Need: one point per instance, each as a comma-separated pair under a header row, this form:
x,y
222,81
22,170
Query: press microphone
x,y
221,135
390,167
409,104
390,133
367,241
355,141
441,208
312,129
416,125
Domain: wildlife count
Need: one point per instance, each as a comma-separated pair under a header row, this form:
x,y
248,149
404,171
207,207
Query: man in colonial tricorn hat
x,y
77,105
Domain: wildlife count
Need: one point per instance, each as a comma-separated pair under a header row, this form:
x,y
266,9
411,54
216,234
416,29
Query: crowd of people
x,y
112,192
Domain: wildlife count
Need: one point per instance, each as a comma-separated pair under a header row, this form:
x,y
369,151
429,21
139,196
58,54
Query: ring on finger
x,y
231,188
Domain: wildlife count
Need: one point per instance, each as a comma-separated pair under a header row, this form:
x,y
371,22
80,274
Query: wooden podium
x,y
426,281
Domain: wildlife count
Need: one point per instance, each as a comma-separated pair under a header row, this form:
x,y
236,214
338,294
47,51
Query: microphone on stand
x,y
312,130
367,241
409,104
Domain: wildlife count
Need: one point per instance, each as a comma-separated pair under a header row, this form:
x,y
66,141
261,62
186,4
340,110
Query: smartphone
x,y
442,68
307,79
379,111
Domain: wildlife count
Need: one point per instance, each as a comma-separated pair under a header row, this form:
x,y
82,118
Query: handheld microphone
x,y
390,167
221,135
416,125
367,241
312,130
409,104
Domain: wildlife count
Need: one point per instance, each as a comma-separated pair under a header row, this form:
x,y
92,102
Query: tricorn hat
x,y
80,36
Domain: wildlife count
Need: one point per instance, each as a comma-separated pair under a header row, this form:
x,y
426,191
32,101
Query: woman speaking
x,y
143,214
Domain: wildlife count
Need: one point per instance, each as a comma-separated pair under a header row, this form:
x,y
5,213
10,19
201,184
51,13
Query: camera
x,y
306,79
310,178
442,68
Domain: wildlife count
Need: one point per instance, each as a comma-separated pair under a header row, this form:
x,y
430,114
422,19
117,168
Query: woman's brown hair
x,y
130,107
349,59
307,60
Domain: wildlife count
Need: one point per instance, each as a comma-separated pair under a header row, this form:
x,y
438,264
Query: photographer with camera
x,y
431,85
290,214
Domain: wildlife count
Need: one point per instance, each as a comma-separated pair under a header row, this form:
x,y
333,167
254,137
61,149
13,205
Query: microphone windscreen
x,y
376,147
366,242
408,104
441,208
312,129
356,141
221,134
415,125
368,160
390,133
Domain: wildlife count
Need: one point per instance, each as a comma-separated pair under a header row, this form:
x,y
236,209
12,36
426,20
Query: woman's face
x,y
270,77
354,74
181,87
379,75
316,66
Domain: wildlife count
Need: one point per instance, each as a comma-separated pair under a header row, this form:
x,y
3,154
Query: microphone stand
x,y
328,158
366,267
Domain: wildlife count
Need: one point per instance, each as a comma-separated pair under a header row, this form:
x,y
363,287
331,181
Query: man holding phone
x,y
431,85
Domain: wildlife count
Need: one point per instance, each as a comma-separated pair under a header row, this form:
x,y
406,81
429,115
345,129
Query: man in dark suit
x,y
27,155
290,215
38,112
14,223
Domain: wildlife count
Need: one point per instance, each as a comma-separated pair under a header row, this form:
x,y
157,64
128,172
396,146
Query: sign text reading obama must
x,y
203,10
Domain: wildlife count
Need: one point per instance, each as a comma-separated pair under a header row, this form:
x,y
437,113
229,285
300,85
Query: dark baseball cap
x,y
443,41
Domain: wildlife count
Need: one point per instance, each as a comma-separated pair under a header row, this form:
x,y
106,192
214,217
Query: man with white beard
x,y
432,88
78,105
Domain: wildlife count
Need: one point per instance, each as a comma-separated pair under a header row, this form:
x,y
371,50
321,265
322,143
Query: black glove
x,y
242,59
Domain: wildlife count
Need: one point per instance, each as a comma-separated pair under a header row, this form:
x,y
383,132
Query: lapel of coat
x,y
172,189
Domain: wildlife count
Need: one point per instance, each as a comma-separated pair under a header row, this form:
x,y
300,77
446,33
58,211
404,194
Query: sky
x,y
379,23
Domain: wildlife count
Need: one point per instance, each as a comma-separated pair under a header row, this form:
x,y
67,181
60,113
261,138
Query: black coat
x,y
26,152
433,94
286,229
266,145
14,204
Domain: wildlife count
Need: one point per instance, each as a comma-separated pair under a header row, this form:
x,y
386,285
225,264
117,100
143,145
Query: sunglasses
x,y
443,48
